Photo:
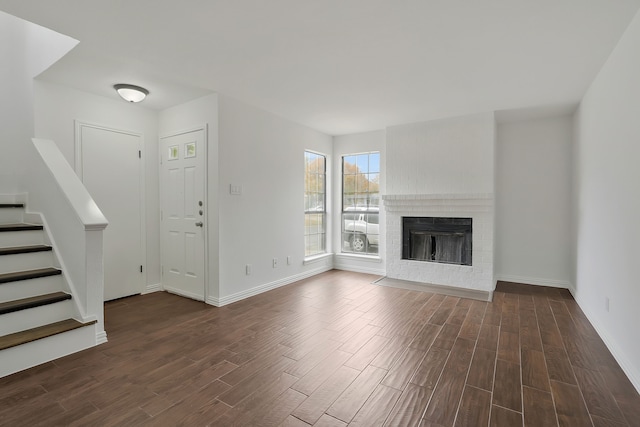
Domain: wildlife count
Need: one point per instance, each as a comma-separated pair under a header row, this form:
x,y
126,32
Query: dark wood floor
x,y
334,350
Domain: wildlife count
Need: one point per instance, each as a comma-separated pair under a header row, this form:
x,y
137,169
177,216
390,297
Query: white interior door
x,y
108,162
183,214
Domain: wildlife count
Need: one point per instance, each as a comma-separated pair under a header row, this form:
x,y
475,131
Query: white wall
x,y
607,212
191,115
533,201
263,153
26,49
454,155
56,108
349,144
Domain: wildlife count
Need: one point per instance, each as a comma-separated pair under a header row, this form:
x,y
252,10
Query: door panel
x,y
183,228
110,168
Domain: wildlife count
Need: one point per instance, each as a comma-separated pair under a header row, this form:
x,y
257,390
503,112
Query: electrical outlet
x,y
275,263
247,269
288,259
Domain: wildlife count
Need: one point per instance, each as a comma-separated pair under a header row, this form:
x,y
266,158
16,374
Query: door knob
x,y
199,224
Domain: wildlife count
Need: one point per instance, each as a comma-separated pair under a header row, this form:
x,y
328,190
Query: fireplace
x,y
436,239
474,211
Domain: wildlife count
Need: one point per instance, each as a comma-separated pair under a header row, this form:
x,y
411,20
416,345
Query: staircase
x,y
37,310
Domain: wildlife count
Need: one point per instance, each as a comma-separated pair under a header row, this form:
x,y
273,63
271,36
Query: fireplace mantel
x,y
482,202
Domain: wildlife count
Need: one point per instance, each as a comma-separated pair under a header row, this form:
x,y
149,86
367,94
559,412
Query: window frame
x,y
321,233
356,216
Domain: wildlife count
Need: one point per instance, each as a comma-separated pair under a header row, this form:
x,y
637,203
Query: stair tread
x,y
45,331
20,227
11,205
29,274
24,249
32,302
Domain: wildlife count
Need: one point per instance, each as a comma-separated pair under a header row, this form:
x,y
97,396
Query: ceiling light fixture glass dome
x,y
131,93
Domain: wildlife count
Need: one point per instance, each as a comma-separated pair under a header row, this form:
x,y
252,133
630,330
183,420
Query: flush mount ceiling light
x,y
131,93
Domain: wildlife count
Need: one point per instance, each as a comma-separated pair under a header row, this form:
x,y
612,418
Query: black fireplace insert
x,y
437,239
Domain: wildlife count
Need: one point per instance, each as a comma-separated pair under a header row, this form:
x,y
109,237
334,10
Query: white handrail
x,y
77,195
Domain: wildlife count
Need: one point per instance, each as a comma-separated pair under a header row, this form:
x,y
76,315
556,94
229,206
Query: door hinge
x,y
139,154
140,269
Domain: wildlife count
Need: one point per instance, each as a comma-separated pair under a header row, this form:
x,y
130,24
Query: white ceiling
x,y
338,66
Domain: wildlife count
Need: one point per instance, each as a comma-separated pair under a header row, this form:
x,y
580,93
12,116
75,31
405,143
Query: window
x,y
360,203
314,204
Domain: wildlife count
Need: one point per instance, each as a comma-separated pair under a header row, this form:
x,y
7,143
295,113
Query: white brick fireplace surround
x,y
479,207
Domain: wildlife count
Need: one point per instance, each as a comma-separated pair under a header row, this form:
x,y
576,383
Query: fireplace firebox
x,y
436,239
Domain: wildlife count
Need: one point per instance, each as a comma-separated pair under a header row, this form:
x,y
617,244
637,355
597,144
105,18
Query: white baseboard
x,y
359,264
101,337
219,302
564,284
360,269
156,287
629,369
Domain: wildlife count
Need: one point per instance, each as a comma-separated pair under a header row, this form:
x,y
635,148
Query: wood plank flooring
x,y
334,350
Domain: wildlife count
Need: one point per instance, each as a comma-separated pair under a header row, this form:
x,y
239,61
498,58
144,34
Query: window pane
x,y
349,165
349,184
374,162
363,163
313,244
349,202
313,165
374,182
362,183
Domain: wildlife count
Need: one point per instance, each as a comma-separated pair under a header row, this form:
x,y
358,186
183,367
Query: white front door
x,y
108,163
183,227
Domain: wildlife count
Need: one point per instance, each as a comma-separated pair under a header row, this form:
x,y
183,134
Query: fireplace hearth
x,y
437,239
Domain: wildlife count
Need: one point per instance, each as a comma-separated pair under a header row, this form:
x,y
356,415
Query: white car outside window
x,y
361,230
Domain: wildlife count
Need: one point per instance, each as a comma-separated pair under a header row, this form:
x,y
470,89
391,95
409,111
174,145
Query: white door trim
x,y
205,129
78,125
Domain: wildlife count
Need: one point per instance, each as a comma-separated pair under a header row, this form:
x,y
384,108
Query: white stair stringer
x,y
34,317
44,350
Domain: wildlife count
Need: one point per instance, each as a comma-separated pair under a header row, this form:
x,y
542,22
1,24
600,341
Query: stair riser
x,y
30,288
34,317
28,261
37,352
21,238
11,215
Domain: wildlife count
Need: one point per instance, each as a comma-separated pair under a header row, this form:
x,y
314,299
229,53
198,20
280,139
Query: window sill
x,y
367,258
316,258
